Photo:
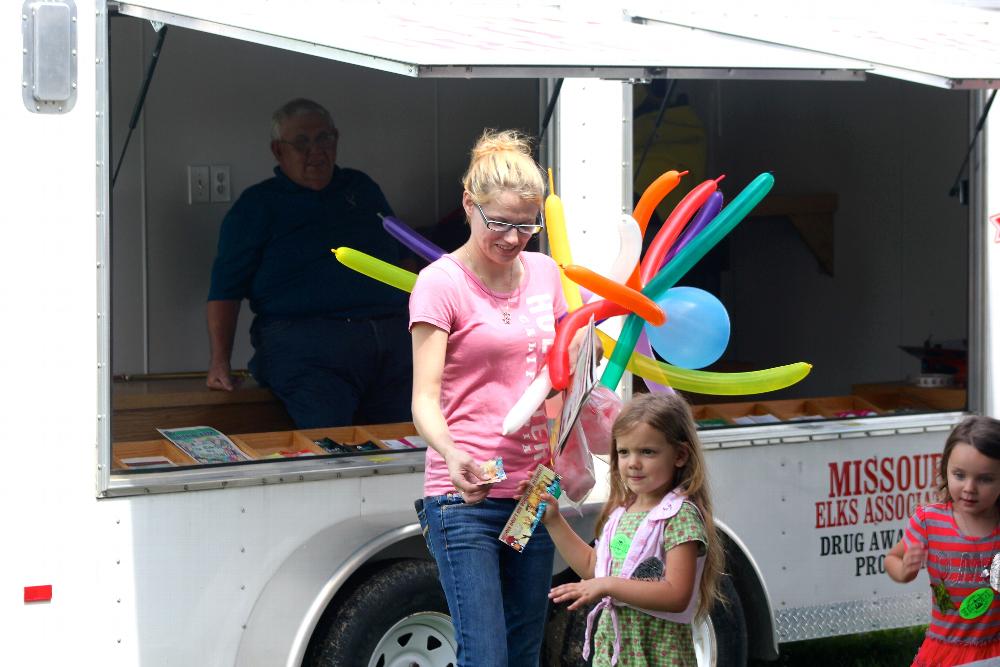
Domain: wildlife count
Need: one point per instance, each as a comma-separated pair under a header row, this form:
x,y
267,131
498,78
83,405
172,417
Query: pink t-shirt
x,y
489,364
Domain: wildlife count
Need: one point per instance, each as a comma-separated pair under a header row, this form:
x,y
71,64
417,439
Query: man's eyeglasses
x,y
323,142
504,227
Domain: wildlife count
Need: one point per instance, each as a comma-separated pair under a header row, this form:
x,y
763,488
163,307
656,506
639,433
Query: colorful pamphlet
x,y
409,442
204,444
492,471
529,510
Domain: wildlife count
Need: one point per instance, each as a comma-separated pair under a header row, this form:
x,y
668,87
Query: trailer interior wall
x,y
210,103
890,151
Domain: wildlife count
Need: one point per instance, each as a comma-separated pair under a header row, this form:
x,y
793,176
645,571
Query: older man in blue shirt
x,y
331,343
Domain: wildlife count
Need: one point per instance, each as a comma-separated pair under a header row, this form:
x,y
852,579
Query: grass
x,y
886,648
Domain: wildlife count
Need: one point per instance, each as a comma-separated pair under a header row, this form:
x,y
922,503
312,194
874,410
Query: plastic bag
x,y
591,434
598,416
575,465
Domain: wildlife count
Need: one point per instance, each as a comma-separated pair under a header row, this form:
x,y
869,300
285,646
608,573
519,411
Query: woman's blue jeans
x,y
498,597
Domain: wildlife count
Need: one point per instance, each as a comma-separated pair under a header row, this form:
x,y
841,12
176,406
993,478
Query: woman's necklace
x,y
497,301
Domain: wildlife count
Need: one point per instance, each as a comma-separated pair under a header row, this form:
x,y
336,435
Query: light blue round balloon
x,y
696,332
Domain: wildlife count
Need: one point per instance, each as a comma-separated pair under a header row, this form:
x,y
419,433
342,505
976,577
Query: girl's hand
x,y
913,560
464,473
551,503
580,593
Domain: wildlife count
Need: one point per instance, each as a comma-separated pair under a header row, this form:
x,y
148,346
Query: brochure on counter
x,y
204,444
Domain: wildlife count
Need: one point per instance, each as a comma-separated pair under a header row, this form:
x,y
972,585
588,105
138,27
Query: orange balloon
x,y
648,202
654,194
624,296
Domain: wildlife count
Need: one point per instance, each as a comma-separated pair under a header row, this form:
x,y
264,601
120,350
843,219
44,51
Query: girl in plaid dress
x,y
657,559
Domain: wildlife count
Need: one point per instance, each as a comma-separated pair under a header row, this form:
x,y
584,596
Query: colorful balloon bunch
x,y
686,326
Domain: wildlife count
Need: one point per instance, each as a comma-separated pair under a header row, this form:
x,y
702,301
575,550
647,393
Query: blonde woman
x,y
482,319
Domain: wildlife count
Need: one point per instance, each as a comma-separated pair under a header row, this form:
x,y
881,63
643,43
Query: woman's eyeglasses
x,y
504,227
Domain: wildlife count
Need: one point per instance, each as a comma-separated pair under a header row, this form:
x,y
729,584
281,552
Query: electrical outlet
x,y
220,182
198,184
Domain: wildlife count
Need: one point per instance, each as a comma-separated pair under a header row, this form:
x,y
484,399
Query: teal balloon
x,y
696,332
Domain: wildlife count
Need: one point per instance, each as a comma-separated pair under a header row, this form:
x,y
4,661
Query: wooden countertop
x,y
141,406
137,394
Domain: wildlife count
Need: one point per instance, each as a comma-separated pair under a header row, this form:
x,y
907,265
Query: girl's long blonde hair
x,y
670,415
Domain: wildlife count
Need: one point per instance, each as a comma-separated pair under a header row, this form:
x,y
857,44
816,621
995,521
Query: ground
x,y
888,648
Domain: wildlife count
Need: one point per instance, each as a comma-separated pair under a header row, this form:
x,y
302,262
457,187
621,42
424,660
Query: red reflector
x,y
38,593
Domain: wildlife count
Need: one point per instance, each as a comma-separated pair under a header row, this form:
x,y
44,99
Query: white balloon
x,y
629,249
533,396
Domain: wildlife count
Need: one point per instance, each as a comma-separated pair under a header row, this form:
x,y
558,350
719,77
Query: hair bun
x,y
503,161
506,141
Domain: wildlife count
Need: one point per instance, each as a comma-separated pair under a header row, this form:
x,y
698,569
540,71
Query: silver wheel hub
x,y
705,651
424,639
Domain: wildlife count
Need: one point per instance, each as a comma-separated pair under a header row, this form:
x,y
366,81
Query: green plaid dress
x,y
647,641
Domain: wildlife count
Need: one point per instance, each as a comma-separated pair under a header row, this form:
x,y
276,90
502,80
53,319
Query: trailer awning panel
x,y
491,40
937,44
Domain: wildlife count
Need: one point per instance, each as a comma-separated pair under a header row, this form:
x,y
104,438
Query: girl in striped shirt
x,y
957,540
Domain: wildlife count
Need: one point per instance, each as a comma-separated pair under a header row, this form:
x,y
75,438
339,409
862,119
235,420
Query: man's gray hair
x,y
297,107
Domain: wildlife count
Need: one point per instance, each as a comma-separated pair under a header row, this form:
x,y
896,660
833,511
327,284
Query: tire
x,y
395,616
565,631
721,639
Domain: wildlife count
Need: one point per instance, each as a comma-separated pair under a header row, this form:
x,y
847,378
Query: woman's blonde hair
x,y
670,415
501,161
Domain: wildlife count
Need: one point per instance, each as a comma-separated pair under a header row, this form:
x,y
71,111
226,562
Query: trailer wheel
x,y
721,639
395,617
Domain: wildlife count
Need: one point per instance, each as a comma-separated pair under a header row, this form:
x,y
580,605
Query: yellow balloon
x,y
376,268
555,228
707,382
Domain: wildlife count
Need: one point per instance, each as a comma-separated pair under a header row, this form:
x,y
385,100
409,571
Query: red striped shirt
x,y
958,562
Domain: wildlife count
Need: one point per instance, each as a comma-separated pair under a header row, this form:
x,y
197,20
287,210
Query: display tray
x,y
277,444
162,454
705,416
749,413
898,394
129,456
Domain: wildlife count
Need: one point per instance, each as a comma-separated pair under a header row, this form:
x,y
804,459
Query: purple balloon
x,y
704,215
400,231
642,346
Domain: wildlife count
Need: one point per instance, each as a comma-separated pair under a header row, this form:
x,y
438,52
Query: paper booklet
x,y
582,382
204,444
529,510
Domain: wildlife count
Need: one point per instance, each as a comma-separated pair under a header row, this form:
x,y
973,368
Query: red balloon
x,y
672,227
558,359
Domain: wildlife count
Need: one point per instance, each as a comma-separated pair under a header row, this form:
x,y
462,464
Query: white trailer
x,y
314,561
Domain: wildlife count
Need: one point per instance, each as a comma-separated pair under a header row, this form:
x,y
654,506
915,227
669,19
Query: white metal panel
x,y
49,341
931,43
818,524
985,185
431,39
593,169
